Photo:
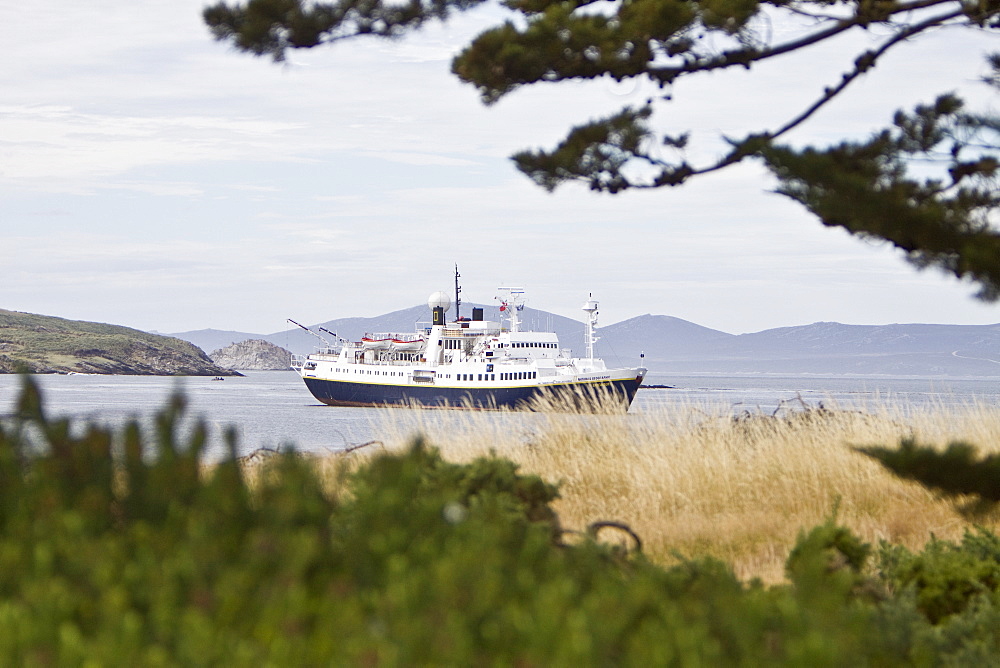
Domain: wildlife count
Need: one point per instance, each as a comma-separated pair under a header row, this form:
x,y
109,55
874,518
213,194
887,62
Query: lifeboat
x,y
375,344
406,346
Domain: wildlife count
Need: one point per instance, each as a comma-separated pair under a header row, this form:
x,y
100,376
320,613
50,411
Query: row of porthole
x,y
369,372
520,375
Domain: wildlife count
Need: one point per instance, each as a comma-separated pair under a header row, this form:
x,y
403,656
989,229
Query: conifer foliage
x,y
943,218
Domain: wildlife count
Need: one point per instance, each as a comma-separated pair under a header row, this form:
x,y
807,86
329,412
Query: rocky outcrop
x,y
253,355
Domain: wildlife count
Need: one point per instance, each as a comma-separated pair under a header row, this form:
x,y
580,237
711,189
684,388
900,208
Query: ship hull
x,y
344,393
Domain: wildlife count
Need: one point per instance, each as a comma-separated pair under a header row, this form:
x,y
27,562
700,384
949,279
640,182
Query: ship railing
x,y
297,361
395,336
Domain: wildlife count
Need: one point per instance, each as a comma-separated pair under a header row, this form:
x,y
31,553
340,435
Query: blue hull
x,y
341,393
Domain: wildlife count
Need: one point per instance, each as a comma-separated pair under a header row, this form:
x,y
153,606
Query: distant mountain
x,y
670,344
213,339
659,337
832,337
301,342
834,348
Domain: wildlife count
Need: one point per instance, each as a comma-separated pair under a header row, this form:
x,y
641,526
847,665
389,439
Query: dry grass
x,y
693,480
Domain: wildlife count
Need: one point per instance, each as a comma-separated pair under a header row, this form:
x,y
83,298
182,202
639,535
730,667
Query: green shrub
x,y
946,578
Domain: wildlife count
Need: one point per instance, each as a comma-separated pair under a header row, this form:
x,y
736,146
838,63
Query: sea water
x,y
273,409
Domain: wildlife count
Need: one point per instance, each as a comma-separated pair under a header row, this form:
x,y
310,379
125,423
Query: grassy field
x,y
693,480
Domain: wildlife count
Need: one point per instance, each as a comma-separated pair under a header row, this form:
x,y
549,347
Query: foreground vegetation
x,y
126,548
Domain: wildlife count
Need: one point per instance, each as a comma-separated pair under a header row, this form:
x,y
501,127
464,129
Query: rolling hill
x,y
46,344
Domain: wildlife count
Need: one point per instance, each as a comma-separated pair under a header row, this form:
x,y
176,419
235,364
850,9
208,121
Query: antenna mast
x,y
511,303
590,308
458,289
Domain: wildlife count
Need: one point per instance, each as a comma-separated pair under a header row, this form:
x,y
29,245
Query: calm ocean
x,y
273,408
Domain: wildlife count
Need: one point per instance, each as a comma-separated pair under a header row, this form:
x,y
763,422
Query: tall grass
x,y
693,480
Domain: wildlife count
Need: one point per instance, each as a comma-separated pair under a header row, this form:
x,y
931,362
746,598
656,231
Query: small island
x,y
31,343
253,355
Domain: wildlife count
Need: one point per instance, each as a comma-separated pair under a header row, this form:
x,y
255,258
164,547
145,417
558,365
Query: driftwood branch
x,y
352,448
595,527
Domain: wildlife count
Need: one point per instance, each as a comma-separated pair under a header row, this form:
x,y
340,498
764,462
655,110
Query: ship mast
x,y
458,300
511,302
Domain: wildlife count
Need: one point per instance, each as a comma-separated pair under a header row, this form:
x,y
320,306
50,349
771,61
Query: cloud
x,y
153,177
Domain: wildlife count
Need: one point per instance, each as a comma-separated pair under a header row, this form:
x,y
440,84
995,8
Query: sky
x,y
155,178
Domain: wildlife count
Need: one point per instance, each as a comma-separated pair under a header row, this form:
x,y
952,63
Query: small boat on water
x,y
465,363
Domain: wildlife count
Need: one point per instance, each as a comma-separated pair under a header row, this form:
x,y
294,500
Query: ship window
x,y
480,376
493,376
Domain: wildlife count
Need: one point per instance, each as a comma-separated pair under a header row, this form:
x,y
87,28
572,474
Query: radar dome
x,y
439,299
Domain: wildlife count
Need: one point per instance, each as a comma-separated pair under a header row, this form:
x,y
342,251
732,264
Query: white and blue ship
x,y
466,363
